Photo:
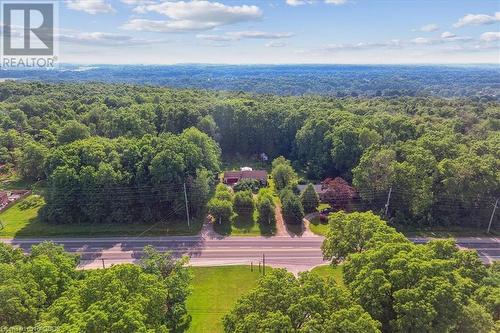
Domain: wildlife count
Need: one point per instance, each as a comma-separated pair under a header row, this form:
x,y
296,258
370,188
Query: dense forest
x,y
119,153
452,81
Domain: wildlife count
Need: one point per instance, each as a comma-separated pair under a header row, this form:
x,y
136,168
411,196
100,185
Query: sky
x,y
279,31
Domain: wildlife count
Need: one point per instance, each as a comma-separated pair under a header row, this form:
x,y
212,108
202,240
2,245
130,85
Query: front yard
x,y
215,291
245,225
317,226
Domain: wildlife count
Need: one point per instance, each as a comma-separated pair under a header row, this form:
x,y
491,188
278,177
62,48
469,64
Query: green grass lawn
x,y
12,181
318,227
245,225
323,206
20,222
327,271
215,291
447,232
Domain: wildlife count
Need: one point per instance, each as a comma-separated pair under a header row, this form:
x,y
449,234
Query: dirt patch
x,y
280,223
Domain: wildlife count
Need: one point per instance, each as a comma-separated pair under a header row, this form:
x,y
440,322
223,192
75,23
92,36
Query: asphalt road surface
x,y
295,254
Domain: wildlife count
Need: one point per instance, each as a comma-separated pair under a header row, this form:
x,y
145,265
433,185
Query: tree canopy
x,y
283,303
309,199
439,156
45,289
433,287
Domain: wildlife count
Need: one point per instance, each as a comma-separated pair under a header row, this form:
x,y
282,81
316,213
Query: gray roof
x,y
253,174
317,188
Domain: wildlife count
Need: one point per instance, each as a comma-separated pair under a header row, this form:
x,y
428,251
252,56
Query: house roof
x,y
317,187
246,174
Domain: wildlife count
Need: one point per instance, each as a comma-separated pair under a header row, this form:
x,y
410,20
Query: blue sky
x,y
279,31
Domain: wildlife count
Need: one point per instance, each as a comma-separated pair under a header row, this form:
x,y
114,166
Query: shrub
x,y
222,192
31,202
247,185
243,203
221,210
265,206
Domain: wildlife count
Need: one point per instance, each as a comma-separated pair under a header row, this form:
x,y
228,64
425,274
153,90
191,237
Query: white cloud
x,y
335,2
422,41
102,39
90,6
491,36
308,2
447,35
399,44
167,26
295,2
192,16
260,34
428,28
238,35
477,19
137,2
215,38
275,44
394,43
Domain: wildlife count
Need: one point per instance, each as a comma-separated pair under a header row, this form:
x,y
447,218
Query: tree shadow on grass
x,y
223,228
317,221
295,229
244,222
267,228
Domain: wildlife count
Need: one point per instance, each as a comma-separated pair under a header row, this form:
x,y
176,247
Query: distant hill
x,y
335,80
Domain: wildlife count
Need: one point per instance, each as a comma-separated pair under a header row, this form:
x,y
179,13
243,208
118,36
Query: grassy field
x,y
442,232
19,222
318,227
245,226
327,271
215,291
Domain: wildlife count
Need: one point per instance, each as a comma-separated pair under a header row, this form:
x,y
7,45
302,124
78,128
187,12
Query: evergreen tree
x,y
309,199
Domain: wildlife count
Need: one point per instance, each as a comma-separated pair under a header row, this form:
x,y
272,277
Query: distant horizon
x,y
168,32
279,64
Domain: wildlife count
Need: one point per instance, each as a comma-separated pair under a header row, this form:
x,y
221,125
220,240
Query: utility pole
x,y
388,201
187,206
263,264
492,215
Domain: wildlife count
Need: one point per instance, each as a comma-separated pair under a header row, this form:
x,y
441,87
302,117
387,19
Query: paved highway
x,y
296,254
